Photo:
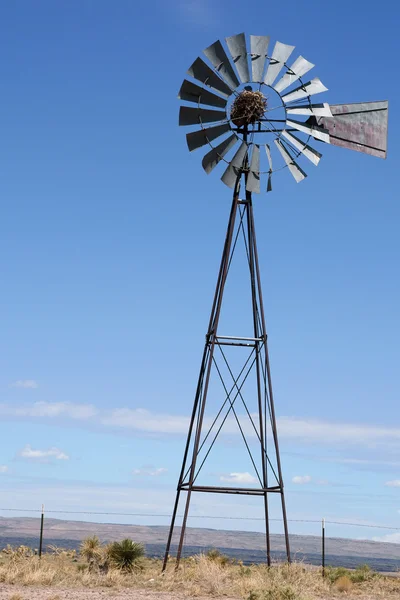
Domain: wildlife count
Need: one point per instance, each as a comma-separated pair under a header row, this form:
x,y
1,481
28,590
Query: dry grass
x,y
200,575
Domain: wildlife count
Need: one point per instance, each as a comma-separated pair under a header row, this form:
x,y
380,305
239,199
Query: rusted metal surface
x,y
362,127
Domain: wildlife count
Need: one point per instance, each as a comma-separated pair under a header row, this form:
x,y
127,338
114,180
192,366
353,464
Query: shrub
x,y
125,555
343,584
90,548
216,556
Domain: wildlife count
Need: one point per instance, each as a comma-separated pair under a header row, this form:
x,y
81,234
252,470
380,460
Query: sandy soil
x,y
13,592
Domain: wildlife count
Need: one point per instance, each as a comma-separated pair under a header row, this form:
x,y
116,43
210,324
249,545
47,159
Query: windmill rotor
x,y
231,76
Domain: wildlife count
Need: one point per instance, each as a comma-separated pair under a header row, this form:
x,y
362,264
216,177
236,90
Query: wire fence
x,y
316,541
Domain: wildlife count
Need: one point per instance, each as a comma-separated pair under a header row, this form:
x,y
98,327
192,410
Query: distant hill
x,y
244,545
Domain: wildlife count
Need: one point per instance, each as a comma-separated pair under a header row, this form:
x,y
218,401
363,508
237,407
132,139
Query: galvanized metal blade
x,y
202,72
318,110
300,67
269,184
317,132
315,86
196,116
212,158
279,56
218,58
237,48
309,152
235,166
293,167
194,93
362,127
269,157
253,178
258,48
204,136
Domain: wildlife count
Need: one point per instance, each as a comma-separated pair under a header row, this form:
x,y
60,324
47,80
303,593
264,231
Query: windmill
x,y
264,119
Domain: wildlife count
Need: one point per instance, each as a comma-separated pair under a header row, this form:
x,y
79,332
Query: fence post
x,y
323,547
41,532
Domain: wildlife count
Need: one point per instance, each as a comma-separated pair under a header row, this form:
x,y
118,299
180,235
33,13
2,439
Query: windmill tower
x,y
262,122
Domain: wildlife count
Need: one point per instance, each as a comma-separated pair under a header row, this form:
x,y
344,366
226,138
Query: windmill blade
x,y
194,93
318,110
269,184
309,152
259,48
279,56
204,136
237,48
212,158
362,127
218,58
235,166
315,86
201,71
300,67
196,116
294,168
269,157
316,132
253,178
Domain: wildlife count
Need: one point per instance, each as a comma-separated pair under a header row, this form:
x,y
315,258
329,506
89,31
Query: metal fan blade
x,y
268,152
309,152
196,116
279,56
294,168
218,58
253,178
201,71
238,50
318,110
194,93
317,132
315,86
259,48
300,67
235,166
212,158
203,136
361,127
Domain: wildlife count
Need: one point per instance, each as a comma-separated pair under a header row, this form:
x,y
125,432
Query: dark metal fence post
x,y
323,547
41,532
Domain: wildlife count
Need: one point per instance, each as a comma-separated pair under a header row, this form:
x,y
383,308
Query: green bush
x,y
216,556
125,555
362,573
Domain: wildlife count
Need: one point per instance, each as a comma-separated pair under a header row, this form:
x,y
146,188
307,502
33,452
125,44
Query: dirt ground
x,y
13,592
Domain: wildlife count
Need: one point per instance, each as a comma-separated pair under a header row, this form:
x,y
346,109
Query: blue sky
x,y
110,238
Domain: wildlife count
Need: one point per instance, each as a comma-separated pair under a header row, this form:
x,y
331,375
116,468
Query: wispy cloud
x,y
299,430
238,478
27,384
3,469
150,471
301,479
42,455
392,538
393,483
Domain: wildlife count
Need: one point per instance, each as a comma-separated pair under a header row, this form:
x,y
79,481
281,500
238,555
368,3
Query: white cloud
x,y
301,479
25,384
238,478
392,538
3,469
150,471
299,430
393,483
50,410
30,453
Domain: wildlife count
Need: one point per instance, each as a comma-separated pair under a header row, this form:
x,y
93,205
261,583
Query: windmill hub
x,y
248,107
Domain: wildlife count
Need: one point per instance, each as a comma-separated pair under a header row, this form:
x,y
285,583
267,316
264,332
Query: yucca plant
x,y
126,554
91,549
